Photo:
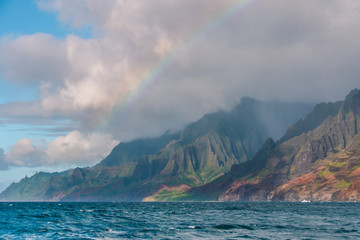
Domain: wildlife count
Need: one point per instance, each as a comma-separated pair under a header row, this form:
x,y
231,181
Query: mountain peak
x,y
352,94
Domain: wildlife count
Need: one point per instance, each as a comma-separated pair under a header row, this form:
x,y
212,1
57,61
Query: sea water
x,y
187,220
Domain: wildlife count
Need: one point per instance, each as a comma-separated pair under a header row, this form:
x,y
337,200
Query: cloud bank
x,y
73,149
156,65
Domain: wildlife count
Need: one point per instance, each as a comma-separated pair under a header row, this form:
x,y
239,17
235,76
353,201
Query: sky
x,y
79,76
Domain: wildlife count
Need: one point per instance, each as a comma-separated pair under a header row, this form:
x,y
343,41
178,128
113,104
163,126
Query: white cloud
x,y
73,149
26,154
33,58
81,149
94,81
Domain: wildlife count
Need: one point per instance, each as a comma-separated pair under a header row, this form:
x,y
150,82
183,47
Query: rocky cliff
x,y
317,163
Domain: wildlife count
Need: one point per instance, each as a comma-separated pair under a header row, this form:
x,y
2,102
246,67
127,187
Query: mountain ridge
x,y
202,152
304,167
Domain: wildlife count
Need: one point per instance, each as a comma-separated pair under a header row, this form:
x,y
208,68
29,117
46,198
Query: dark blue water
x,y
180,220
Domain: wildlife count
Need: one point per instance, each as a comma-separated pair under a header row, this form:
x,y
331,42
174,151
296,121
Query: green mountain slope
x,y
150,168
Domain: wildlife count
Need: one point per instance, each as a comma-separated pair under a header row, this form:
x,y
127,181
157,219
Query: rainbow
x,y
194,38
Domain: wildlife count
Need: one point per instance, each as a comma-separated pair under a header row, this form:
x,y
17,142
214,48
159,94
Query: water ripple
x,y
194,220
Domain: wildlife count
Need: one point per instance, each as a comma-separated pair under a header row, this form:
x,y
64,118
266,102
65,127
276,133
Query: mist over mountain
x,y
144,168
225,156
316,160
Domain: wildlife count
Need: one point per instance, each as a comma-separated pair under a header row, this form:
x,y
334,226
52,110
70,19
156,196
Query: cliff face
x,y
312,120
202,152
337,179
318,165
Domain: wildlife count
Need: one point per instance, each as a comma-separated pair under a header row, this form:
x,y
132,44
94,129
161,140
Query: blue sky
x,y
23,17
17,18
78,77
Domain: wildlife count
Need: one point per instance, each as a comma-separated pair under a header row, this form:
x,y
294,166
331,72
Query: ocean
x,y
179,220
